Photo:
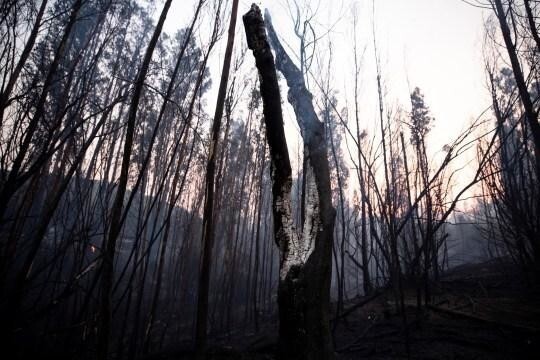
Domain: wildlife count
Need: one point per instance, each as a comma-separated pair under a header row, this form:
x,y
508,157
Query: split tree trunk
x,y
305,258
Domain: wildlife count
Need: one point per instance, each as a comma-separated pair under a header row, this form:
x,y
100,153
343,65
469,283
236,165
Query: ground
x,y
481,311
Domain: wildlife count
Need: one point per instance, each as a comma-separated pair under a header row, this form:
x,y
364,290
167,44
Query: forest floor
x,y
479,312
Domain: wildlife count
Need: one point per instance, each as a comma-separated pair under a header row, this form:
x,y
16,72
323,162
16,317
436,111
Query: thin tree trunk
x,y
532,24
208,231
416,259
530,115
105,317
4,96
13,182
257,242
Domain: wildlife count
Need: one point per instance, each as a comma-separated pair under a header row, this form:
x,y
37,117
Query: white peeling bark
x,y
299,248
305,258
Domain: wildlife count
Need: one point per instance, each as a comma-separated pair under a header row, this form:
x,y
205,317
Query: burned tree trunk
x,y
208,225
305,258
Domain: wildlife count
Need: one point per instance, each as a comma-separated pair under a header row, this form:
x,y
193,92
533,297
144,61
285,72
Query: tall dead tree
x,y
305,257
109,244
530,114
14,76
208,229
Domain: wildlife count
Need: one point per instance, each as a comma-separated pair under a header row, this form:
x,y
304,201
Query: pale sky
x,y
435,44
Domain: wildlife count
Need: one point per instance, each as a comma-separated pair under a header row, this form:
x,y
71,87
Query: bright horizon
x,y
433,44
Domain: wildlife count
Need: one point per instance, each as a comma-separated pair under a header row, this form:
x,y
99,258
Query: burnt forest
x,y
284,179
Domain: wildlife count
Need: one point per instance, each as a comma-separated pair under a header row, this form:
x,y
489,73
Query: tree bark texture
x,y
305,257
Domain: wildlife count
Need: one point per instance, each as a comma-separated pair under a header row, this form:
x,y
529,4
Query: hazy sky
x,y
438,44
435,44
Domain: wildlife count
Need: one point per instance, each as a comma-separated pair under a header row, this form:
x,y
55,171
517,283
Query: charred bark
x,y
305,258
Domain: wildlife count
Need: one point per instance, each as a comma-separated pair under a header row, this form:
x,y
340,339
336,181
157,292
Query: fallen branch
x,y
465,316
